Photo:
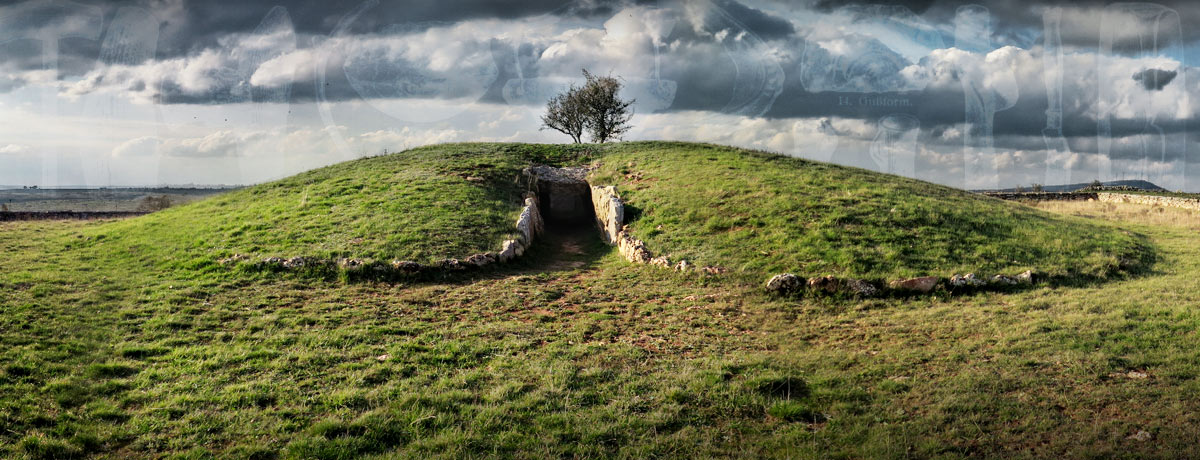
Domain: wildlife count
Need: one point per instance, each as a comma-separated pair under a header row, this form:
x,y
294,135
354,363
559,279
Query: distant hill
x,y
1144,185
122,199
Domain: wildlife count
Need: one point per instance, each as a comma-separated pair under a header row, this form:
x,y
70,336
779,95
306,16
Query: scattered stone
x,y
349,263
1138,375
632,248
683,266
661,261
406,266
785,283
295,262
1141,435
968,280
510,250
450,264
712,270
922,284
383,357
480,260
825,283
1004,280
232,259
861,288
1027,277
272,261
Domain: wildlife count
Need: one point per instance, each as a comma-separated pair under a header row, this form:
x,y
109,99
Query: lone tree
x,y
595,107
565,113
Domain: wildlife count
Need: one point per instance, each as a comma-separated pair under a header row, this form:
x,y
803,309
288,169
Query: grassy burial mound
x,y
424,204
761,213
749,212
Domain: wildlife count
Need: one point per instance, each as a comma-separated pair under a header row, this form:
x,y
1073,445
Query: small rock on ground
x,y
921,284
1141,435
785,283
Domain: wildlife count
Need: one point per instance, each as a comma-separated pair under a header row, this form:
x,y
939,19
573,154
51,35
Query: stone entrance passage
x,y
564,195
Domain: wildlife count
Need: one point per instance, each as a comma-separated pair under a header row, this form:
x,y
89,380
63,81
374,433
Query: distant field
x,y
93,200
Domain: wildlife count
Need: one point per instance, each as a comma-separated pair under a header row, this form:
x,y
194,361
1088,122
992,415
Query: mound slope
x,y
749,212
424,204
764,213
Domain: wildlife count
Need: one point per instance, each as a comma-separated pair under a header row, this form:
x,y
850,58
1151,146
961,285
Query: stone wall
x,y
1107,197
610,212
8,216
529,226
562,192
1043,196
1153,200
610,217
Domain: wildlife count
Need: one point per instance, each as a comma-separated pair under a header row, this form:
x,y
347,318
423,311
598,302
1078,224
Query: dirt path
x,y
568,248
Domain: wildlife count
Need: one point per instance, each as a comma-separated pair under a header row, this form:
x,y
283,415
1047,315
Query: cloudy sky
x,y
975,95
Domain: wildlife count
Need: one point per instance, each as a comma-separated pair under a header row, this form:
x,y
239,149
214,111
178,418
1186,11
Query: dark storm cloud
x,y
704,70
1154,79
917,6
1083,23
206,22
191,26
1019,127
762,24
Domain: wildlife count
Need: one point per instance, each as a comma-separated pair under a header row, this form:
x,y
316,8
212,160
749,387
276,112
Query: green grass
x,y
765,214
126,346
423,204
756,213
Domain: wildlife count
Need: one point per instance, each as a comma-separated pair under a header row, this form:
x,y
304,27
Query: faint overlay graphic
x,y
380,73
49,22
984,96
130,39
1057,150
528,87
267,107
220,120
376,74
1139,30
816,142
884,40
381,76
278,34
759,76
862,57
894,149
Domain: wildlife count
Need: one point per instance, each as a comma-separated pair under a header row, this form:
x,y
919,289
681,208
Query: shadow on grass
x,y
1141,262
561,248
